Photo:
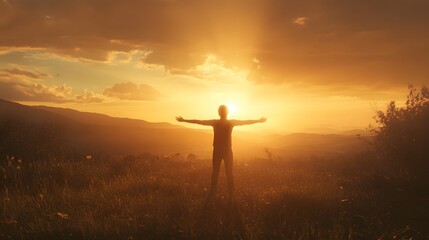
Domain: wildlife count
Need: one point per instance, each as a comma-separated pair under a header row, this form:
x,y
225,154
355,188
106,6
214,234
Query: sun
x,y
232,108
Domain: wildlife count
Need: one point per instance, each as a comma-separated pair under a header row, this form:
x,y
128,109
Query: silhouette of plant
x,y
402,135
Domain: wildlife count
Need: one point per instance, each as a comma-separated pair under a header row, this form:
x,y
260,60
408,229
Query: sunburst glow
x,y
289,67
232,107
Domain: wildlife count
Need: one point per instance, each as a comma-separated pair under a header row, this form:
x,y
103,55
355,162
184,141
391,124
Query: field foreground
x,y
154,197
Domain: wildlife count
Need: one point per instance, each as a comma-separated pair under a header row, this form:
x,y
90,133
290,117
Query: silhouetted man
x,y
222,129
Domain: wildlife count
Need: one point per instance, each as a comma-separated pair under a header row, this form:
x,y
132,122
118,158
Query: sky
x,y
305,65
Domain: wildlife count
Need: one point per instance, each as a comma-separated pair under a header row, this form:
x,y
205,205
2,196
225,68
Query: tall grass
x,y
164,197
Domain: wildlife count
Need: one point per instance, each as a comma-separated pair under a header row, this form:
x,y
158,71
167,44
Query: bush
x,y
402,134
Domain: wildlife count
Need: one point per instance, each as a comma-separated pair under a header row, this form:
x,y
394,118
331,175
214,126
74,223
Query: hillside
x,y
93,132
36,128
102,119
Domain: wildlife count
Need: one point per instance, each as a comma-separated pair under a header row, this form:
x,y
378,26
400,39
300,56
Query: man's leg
x,y
217,159
228,167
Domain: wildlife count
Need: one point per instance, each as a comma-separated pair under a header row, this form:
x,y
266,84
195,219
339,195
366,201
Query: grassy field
x,y
164,197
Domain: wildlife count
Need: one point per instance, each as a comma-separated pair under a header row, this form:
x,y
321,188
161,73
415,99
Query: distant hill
x,y
42,129
15,111
92,132
102,119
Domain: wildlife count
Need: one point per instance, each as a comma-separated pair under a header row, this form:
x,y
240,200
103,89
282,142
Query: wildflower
x,y
62,215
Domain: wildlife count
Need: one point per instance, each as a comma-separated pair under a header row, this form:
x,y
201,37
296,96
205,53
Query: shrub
x,y
402,134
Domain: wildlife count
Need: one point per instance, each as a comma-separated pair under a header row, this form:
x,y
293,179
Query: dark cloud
x,y
331,42
132,91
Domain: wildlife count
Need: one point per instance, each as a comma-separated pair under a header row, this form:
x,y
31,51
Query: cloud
x,y
215,70
19,84
119,57
347,42
89,97
16,71
132,91
20,91
300,21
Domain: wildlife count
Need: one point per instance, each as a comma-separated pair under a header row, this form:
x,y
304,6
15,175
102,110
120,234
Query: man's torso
x,y
222,129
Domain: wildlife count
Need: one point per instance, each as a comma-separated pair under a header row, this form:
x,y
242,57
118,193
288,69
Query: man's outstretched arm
x,y
195,121
247,122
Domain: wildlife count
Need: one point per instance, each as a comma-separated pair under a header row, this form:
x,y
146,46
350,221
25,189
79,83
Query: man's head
x,y
223,111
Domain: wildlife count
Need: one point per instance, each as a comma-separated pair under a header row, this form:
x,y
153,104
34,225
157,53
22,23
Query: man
x,y
222,129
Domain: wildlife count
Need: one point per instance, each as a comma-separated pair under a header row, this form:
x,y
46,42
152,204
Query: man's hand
x,y
262,119
179,119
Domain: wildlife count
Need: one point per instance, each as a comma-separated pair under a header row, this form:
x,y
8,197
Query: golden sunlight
x,y
232,107
214,119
